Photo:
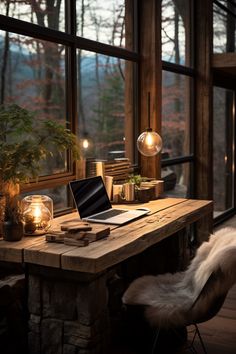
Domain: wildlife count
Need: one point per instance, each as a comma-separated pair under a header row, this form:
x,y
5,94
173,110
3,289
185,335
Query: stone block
x,y
59,300
69,349
78,329
34,323
92,299
34,343
34,301
79,342
51,336
6,297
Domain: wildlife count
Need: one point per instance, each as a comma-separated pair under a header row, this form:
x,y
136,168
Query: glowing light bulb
x,y
149,140
149,143
37,213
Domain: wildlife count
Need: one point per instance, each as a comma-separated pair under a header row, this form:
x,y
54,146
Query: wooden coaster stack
x,y
80,234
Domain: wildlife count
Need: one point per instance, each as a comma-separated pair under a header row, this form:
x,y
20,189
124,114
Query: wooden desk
x,y
67,285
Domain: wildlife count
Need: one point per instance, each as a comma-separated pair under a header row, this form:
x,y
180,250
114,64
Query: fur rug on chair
x,y
169,298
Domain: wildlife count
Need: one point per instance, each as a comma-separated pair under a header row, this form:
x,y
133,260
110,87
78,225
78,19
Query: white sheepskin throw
x,y
169,298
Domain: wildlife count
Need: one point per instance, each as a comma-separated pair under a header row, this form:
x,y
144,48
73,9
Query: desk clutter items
x,y
79,234
141,191
119,169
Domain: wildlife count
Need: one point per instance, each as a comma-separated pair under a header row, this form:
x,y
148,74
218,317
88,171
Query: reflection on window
x,y
102,21
223,155
59,195
33,76
224,27
101,108
175,31
176,180
44,13
176,95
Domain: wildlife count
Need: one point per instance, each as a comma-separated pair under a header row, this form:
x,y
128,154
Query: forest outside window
x,y
176,31
177,97
101,104
101,21
224,14
34,78
176,113
43,13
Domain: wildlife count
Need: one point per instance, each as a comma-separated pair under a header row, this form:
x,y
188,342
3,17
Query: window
x,y
177,98
74,62
223,149
224,13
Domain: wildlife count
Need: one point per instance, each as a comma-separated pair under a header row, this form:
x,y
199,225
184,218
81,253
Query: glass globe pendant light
x,y
149,143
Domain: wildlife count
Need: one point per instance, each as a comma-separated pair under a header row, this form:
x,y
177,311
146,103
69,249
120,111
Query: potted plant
x,y
24,143
143,194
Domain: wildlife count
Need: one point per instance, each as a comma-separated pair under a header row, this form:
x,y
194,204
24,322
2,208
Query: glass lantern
x,y
37,213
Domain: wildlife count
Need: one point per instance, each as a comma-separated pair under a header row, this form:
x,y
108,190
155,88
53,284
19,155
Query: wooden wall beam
x,y
203,106
203,118
150,77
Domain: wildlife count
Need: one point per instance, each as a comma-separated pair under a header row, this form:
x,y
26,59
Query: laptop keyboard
x,y
109,214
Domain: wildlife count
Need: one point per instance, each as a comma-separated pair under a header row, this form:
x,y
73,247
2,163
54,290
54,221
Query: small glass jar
x,y
37,211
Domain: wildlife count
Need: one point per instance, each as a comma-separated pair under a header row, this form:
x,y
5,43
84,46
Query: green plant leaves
x,y
25,142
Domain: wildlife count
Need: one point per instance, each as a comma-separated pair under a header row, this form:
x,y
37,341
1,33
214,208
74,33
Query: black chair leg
x,y
200,338
155,341
169,341
191,347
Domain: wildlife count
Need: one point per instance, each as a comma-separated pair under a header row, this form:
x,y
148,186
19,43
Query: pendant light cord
x,y
149,110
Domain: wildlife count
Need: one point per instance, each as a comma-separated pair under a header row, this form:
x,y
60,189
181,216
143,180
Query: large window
x,y
73,62
224,15
177,97
223,148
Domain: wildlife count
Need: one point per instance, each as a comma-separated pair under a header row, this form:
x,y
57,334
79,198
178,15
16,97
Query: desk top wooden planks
x,y
134,238
166,217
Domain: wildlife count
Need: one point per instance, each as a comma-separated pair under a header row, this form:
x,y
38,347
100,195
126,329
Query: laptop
x,y
92,202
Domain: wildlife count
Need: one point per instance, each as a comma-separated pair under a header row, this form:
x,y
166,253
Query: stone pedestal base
x,y
68,312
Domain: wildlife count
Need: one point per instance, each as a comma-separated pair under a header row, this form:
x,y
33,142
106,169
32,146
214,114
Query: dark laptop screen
x,y
90,196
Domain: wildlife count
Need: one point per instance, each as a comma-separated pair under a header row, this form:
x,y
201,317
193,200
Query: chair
x,y
174,301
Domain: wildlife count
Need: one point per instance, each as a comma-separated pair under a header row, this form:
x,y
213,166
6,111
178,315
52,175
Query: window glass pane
x,y
224,27
175,34
33,76
104,83
177,180
102,21
223,150
59,195
176,98
44,12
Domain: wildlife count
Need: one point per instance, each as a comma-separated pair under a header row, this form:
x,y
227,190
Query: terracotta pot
x,y
12,231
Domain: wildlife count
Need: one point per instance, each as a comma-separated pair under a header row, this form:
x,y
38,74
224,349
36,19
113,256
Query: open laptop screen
x,y
90,196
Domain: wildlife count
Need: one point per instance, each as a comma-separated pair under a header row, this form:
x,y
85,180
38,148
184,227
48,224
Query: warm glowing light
x,y
37,213
85,143
149,140
149,143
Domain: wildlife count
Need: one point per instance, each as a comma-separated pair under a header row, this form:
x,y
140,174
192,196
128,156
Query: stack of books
x,y
119,169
